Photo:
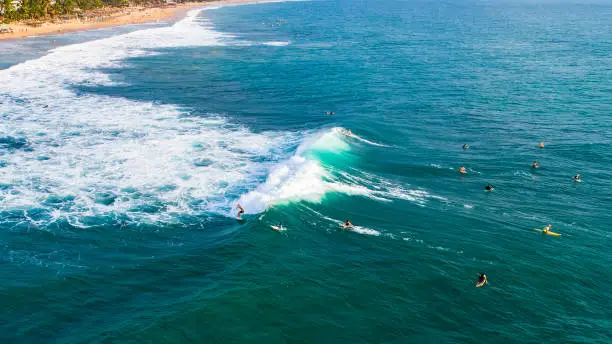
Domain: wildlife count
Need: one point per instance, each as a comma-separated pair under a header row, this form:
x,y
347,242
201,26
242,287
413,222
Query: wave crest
x,y
318,168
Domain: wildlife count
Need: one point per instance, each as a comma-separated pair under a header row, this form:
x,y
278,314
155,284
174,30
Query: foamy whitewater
x,y
95,153
86,155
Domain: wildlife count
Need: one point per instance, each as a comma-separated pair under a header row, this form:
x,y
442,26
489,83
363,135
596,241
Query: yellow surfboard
x,y
547,233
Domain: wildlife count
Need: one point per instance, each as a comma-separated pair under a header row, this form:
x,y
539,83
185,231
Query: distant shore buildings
x,y
15,5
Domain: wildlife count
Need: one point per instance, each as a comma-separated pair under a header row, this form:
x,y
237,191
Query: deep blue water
x,y
124,152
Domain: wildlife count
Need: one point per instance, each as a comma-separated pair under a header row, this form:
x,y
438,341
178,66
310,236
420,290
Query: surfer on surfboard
x,y
347,224
240,212
482,280
278,228
547,231
462,170
535,165
577,178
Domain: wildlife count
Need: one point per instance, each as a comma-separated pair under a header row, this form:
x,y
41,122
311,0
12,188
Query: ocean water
x,y
124,152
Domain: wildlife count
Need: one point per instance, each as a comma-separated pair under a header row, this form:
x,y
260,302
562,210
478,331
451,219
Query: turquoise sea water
x,y
117,201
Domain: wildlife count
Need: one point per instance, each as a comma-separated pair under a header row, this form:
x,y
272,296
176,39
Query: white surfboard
x,y
278,229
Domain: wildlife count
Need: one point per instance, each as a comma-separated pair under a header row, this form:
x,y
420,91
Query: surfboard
x,y
547,233
278,229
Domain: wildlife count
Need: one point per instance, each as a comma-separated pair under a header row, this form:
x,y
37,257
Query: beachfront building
x,y
15,5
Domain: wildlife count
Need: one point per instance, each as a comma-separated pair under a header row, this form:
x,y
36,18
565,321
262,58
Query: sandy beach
x,y
106,17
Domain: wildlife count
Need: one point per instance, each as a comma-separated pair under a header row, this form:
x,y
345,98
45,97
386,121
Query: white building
x,y
16,4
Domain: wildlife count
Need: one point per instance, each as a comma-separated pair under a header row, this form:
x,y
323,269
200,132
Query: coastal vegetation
x,y
19,10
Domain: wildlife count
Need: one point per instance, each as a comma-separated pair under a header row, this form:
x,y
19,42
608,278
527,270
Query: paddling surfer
x,y
482,280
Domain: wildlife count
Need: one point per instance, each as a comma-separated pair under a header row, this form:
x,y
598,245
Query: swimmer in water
x,y
462,170
347,224
489,187
577,178
541,145
240,212
466,146
535,165
329,113
482,280
547,229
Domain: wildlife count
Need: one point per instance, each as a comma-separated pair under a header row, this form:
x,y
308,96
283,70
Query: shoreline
x,y
109,17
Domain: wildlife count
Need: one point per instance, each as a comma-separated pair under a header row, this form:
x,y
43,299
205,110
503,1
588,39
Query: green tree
x,y
89,4
6,8
64,6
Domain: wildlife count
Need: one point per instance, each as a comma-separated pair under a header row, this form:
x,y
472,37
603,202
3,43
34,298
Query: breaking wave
x,y
317,169
73,155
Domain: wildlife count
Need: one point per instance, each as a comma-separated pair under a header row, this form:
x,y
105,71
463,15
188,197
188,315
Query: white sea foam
x,y
352,135
357,229
91,154
365,231
304,178
277,43
524,174
373,232
385,189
